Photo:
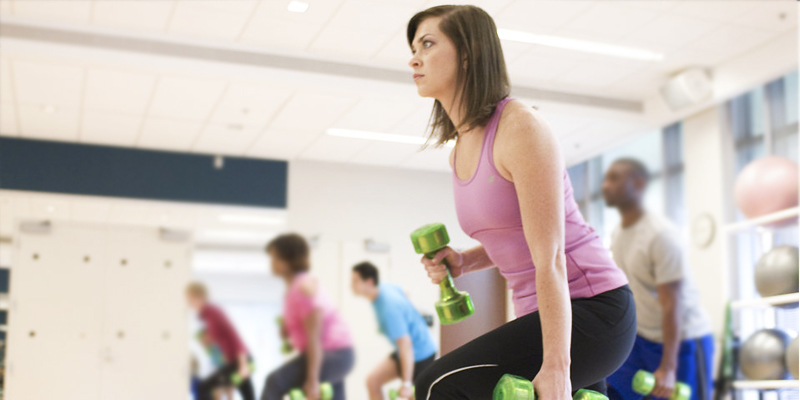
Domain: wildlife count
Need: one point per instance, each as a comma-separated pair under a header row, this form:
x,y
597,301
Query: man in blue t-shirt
x,y
403,325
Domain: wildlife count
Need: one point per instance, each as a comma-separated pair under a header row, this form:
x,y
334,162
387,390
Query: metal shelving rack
x,y
763,228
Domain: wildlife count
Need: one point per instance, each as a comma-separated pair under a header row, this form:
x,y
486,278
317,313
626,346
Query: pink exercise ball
x,y
766,185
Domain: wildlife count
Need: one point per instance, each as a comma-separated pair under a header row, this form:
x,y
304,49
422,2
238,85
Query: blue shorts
x,y
695,363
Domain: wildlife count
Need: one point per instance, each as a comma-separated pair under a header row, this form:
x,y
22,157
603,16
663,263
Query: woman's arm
x,y
459,263
314,352
530,153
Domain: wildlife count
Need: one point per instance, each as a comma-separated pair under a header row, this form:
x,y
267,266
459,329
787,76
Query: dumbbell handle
x,y
447,287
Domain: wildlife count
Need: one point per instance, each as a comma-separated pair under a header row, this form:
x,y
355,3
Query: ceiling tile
x,y
562,54
610,21
8,120
331,148
675,29
770,15
395,52
533,69
61,124
730,41
490,6
376,114
349,44
110,128
281,145
211,19
250,104
653,5
317,14
73,11
125,92
312,112
379,17
40,84
546,13
169,134
512,51
225,139
186,98
715,10
147,16
277,34
6,93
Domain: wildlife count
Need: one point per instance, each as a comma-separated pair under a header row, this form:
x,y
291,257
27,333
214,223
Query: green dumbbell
x,y
453,305
644,383
236,379
393,393
286,347
512,387
325,392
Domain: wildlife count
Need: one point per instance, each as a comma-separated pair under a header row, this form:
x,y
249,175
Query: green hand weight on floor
x,y
644,383
325,392
453,305
512,387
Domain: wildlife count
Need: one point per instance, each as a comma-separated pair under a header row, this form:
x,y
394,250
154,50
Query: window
x,y
662,153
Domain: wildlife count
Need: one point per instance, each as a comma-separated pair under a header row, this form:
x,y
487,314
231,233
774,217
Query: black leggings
x,y
603,332
221,378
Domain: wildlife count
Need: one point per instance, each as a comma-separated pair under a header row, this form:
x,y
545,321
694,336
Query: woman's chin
x,y
423,92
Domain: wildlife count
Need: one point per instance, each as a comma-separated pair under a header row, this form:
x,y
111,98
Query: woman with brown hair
x,y
313,325
576,319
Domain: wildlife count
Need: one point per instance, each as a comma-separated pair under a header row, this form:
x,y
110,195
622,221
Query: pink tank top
x,y
335,334
488,211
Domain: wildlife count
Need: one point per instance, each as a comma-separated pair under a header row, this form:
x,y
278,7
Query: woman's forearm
x,y
555,312
314,349
475,259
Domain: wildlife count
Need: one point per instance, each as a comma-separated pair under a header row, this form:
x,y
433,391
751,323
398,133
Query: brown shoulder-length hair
x,y
293,249
483,82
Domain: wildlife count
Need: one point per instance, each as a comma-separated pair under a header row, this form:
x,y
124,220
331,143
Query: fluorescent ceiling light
x,y
297,6
579,45
383,137
250,219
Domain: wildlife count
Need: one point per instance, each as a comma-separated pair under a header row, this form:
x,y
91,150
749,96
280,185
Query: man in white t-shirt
x,y
674,339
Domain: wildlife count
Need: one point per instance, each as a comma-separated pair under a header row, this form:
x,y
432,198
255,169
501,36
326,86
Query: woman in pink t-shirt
x,y
312,324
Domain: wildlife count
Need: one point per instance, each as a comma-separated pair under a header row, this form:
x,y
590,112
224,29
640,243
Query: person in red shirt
x,y
221,333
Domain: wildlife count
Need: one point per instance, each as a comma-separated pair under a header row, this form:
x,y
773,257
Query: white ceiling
x,y
126,98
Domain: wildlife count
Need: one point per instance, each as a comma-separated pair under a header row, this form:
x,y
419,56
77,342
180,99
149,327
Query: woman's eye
x,y
427,44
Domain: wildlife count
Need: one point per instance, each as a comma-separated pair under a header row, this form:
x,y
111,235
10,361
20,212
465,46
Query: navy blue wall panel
x,y
43,166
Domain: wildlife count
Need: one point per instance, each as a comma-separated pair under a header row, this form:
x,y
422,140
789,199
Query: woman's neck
x,y
289,278
453,108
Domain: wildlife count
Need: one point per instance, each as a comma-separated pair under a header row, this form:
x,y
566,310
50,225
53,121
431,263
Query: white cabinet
x,y
97,312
